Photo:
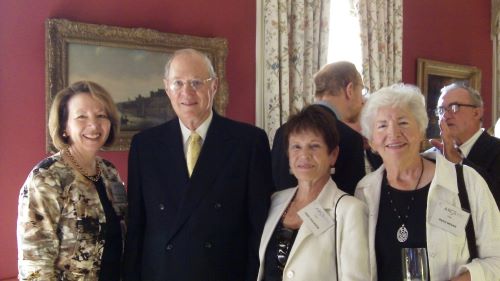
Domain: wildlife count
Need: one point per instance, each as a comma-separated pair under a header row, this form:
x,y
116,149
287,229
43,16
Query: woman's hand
x,y
465,276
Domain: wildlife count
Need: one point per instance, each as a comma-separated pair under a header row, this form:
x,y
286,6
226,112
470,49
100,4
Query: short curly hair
x,y
313,118
58,115
397,95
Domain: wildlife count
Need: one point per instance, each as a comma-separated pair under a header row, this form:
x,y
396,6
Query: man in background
x,y
460,112
339,89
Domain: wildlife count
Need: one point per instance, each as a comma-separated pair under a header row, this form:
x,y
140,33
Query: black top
x,y
273,270
112,254
387,246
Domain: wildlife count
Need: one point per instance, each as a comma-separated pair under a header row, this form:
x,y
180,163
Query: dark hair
x,y
58,116
316,119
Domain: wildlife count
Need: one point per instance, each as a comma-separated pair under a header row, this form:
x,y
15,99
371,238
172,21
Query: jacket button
x,y
290,274
208,245
217,205
162,207
169,247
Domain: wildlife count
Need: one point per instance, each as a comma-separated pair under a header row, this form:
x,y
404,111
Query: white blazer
x,y
313,257
447,253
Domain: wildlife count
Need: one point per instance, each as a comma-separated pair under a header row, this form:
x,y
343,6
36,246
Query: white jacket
x,y
447,253
313,257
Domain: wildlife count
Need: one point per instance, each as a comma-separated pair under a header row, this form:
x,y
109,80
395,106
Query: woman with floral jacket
x,y
72,206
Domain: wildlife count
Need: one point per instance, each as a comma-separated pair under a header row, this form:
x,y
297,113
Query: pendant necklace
x,y
402,232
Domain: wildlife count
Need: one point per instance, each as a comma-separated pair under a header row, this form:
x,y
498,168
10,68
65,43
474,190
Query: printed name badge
x,y
118,192
315,218
450,218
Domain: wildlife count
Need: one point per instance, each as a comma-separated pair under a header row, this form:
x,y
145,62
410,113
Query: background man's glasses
x,y
454,107
195,84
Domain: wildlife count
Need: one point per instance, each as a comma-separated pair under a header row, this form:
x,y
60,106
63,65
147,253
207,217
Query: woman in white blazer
x,y
312,231
413,201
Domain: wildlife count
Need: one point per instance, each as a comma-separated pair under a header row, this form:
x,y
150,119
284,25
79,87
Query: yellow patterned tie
x,y
193,151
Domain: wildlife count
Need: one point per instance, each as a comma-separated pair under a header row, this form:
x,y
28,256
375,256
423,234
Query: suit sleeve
x,y
281,167
136,219
354,261
260,187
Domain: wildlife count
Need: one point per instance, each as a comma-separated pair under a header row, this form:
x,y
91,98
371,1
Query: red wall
x,y
454,31
22,76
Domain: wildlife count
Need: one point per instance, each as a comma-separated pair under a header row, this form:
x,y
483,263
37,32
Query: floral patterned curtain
x,y
495,34
382,41
295,46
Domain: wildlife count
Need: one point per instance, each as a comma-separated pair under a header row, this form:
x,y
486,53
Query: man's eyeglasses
x,y
195,84
454,107
285,237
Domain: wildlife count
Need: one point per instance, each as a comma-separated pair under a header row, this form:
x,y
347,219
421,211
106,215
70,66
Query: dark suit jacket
x,y
350,165
485,157
204,228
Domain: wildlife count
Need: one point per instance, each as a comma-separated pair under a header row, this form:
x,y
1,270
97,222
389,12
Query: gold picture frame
x,y
129,63
433,75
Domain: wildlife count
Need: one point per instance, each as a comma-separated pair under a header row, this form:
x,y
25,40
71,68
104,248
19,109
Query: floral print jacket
x,y
60,225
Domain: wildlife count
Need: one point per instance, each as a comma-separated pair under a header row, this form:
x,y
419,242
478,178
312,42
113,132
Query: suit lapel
x,y
173,140
169,165
476,154
278,206
326,199
215,150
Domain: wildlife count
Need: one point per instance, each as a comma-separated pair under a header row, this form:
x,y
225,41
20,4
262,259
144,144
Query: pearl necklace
x,y
402,232
81,170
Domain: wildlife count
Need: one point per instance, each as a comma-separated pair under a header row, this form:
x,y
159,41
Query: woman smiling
x,y
71,207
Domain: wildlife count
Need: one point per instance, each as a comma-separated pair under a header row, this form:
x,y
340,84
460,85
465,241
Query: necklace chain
x,y
94,178
402,232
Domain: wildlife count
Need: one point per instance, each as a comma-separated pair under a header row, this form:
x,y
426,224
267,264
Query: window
x,y
344,39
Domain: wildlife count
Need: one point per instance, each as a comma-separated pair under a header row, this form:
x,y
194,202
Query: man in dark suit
x,y
339,89
205,224
460,112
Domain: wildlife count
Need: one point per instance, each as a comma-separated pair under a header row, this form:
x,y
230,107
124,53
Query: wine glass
x,y
414,264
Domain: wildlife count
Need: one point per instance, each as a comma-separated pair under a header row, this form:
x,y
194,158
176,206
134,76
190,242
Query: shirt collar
x,y
331,107
201,130
467,146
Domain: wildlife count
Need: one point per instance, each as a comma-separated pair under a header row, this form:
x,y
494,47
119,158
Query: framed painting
x,y
432,76
129,64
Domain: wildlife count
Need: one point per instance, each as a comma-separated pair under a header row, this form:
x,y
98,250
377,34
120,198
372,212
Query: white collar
x,y
467,146
201,130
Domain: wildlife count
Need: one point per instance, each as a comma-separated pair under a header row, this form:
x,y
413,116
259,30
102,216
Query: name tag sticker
x,y
315,218
450,218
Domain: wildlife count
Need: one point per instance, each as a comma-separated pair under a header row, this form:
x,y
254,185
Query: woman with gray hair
x,y
412,201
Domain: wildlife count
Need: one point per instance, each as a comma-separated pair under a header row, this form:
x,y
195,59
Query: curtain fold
x,y
495,35
295,47
381,25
